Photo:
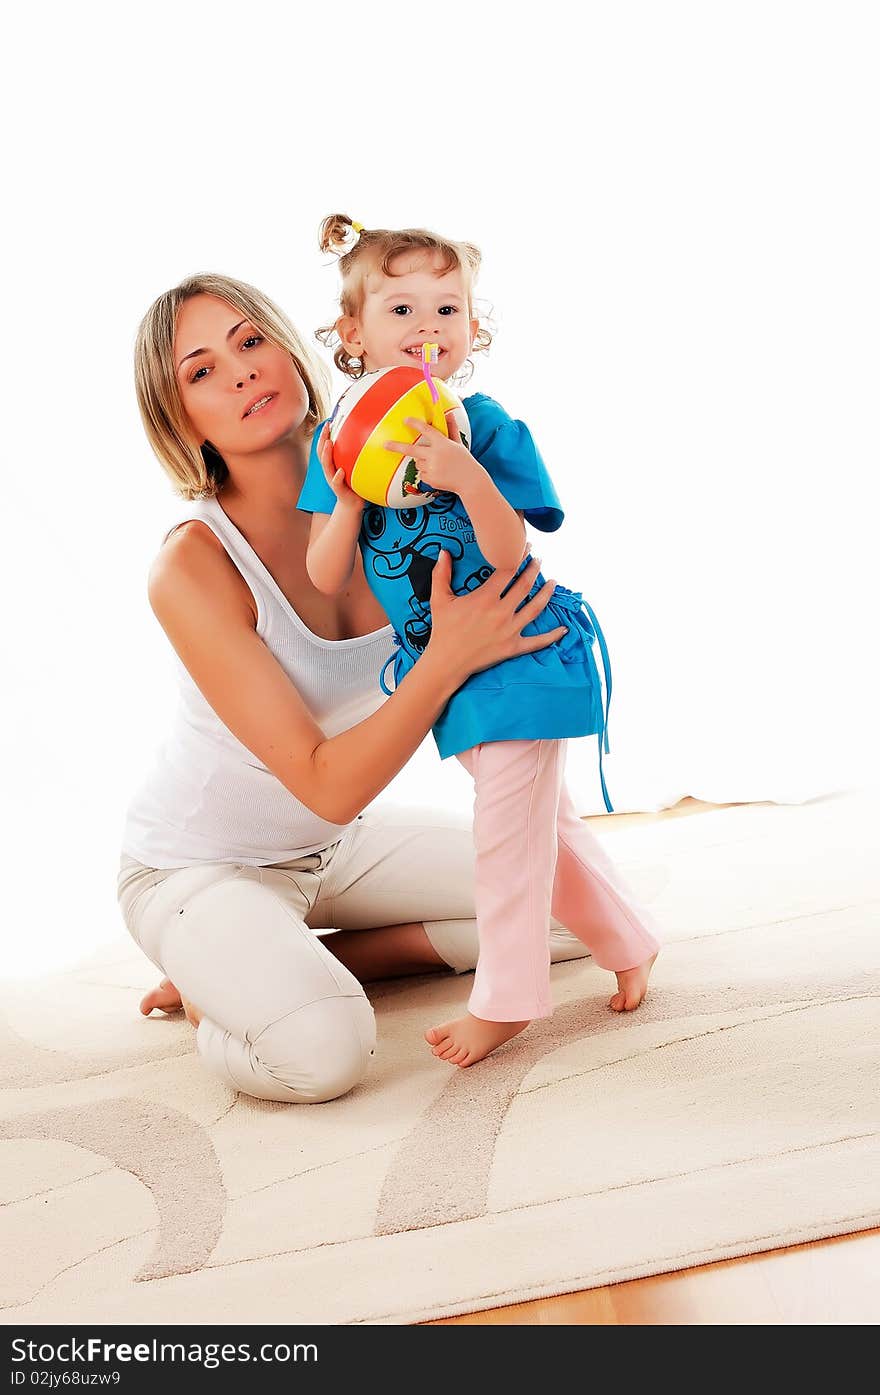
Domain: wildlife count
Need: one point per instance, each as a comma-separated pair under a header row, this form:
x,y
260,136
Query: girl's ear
x,y
349,331
475,326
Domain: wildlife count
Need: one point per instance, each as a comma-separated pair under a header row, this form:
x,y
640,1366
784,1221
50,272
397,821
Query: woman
x,y
248,837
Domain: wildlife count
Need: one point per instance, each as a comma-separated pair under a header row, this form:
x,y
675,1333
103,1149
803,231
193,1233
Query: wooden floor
x,y
825,1282
828,1281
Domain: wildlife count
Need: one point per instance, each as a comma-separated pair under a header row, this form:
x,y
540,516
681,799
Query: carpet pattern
x,y
736,1111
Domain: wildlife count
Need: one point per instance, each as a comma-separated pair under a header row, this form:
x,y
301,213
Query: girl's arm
x,y
207,611
444,462
332,549
333,537
500,530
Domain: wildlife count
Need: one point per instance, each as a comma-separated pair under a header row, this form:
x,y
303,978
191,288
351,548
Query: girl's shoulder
x,y
493,428
486,417
485,409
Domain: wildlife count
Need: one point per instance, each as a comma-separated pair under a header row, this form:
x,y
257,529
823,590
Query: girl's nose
x,y
250,378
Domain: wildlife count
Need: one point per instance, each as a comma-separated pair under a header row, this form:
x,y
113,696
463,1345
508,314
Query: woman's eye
x,y
252,339
196,377
400,310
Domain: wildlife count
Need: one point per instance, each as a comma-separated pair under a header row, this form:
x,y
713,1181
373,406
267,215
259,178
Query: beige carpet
x,y
737,1111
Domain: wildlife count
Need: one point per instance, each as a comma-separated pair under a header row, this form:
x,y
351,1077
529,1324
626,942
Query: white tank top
x,y
208,798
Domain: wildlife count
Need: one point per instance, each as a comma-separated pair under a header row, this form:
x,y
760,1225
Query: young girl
x,y
508,725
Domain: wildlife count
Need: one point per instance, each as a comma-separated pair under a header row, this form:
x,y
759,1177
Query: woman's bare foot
x,y
169,999
387,952
633,986
165,997
469,1039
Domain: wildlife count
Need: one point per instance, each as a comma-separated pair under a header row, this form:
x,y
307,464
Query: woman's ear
x,y
349,332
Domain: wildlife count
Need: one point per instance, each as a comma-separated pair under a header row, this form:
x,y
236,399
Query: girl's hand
x,y
345,495
483,628
442,461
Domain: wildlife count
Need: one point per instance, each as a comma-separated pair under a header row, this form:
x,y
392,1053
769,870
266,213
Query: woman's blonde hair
x,y
362,250
198,471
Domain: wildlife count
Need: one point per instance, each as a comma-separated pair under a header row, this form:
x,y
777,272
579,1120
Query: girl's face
x,y
240,392
416,305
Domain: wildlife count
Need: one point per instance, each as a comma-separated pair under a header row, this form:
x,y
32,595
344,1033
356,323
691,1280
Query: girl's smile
x,y
415,350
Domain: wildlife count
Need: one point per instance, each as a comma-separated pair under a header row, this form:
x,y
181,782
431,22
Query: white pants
x,y
282,1018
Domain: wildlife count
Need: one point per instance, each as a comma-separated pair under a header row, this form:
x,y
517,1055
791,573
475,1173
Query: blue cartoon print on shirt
x,y
398,543
552,693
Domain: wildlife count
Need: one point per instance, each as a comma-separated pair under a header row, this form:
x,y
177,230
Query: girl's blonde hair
x,y
362,250
198,471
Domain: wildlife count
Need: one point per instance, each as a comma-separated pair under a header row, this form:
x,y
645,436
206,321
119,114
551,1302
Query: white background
x,y
678,209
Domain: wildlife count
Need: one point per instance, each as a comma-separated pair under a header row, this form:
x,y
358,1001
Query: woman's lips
x,y
259,405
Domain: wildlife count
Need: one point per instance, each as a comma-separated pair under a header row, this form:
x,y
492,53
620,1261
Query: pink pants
x,y
535,858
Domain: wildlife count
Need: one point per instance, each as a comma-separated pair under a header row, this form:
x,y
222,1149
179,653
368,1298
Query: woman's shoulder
x,y
192,571
189,545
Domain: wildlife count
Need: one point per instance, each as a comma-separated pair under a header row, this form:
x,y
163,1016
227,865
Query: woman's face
x,y
240,392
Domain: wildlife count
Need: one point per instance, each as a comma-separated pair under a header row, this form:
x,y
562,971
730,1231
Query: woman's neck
x,y
261,490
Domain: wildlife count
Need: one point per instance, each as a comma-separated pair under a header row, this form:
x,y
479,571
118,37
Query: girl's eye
x,y
448,309
400,310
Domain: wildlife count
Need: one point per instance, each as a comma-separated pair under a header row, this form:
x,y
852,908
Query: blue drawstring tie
x,y
603,734
392,658
574,601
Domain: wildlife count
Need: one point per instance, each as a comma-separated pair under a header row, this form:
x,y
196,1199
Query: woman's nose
x,y
251,377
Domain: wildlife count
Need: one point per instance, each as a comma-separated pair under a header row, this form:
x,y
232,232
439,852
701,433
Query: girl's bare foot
x,y
469,1039
169,999
633,986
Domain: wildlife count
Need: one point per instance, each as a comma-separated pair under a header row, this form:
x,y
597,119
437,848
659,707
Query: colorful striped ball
x,y
374,410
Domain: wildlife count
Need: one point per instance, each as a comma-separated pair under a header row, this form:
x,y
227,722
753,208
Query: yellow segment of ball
x,y
375,467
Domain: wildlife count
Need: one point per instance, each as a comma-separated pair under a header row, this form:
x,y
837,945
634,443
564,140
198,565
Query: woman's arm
x,y
208,614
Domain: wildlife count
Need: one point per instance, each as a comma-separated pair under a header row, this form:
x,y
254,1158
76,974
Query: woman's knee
x,y
457,942
317,1052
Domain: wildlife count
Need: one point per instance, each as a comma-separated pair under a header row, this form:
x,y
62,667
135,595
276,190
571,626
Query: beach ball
x,y
374,410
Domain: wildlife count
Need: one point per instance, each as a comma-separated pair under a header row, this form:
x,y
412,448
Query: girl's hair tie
x,y
358,227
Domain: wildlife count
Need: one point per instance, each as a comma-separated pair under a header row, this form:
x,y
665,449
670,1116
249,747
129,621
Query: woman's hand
x,y
484,628
351,502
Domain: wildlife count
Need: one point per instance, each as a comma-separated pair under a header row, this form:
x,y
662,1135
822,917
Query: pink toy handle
x,y
430,354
